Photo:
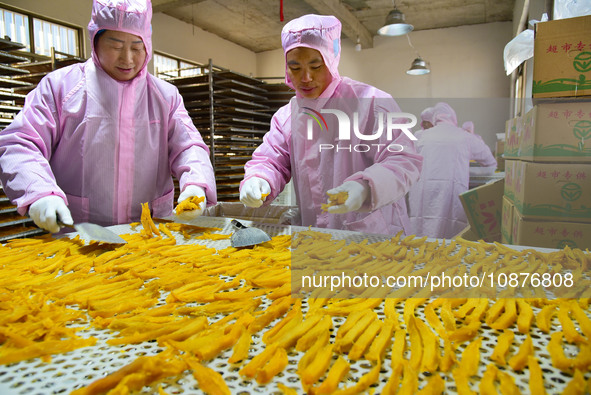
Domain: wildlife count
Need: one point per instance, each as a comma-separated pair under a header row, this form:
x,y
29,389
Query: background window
x,y
167,67
46,34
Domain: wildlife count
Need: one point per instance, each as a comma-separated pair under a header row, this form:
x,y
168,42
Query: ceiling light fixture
x,y
418,66
395,24
358,45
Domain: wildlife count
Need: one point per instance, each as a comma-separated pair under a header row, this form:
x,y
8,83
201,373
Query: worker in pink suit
x,y
375,180
95,140
435,206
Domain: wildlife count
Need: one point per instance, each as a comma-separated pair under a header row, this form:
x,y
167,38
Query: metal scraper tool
x,y
245,236
93,232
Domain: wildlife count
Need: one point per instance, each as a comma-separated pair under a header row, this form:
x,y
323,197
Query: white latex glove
x,y
252,191
190,191
357,194
46,211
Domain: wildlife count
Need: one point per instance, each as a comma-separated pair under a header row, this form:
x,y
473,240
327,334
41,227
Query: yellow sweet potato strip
x,y
309,338
317,367
45,348
504,342
364,340
344,343
391,387
430,359
251,368
364,382
210,381
487,384
544,318
536,376
381,342
568,327
519,361
276,364
435,386
416,344
146,219
471,358
577,385
153,369
336,373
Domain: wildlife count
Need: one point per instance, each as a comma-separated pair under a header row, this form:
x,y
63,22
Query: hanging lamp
x,y
395,24
418,67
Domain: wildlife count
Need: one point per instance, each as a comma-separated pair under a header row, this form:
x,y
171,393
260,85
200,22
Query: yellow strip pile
x,y
220,301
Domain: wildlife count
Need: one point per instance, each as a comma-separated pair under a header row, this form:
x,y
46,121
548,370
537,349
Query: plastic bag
x,y
521,48
518,50
571,8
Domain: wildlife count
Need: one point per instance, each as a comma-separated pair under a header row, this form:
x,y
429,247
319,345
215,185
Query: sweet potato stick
x,y
210,381
336,373
276,364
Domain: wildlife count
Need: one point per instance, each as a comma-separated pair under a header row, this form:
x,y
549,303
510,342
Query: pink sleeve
x,y
189,155
271,160
26,146
392,173
480,152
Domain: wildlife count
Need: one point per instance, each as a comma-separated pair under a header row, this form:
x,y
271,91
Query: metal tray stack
x,y
232,112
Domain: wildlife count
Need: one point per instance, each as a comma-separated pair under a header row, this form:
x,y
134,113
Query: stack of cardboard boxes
x,y
547,193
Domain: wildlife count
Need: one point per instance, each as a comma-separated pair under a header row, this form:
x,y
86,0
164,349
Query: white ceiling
x,y
256,24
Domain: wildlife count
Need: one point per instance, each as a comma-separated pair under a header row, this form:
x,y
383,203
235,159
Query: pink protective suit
x,y
103,145
287,152
435,206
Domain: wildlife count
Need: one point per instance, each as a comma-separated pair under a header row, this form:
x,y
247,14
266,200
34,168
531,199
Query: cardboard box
x,y
557,132
552,191
499,149
467,234
483,206
562,58
510,169
550,234
507,222
513,132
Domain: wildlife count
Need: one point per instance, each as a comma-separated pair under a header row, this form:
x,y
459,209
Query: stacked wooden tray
x,y
232,112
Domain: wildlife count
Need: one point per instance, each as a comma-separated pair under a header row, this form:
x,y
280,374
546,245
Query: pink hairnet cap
x,y
319,32
468,126
443,113
129,16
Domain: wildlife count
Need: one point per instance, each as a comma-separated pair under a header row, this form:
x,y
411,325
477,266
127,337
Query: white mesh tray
x,y
80,367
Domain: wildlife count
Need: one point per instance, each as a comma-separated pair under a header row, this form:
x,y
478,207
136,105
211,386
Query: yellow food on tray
x,y
189,204
335,199
209,308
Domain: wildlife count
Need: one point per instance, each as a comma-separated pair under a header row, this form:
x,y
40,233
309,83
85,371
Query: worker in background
x,y
95,140
375,181
435,206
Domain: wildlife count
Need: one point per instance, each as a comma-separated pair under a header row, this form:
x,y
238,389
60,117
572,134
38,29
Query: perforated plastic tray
x,y
80,367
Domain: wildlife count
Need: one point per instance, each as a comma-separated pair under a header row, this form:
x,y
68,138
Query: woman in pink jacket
x,y
95,140
332,137
434,202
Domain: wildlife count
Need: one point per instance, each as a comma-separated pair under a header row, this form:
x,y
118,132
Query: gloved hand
x,y
189,192
252,191
357,194
46,211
